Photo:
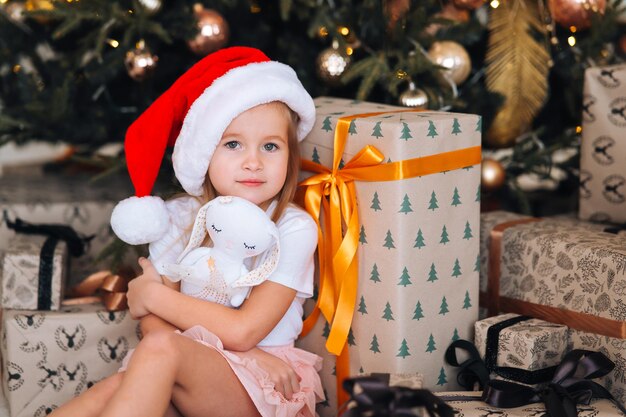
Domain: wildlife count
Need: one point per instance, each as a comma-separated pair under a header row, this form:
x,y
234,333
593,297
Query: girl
x,y
234,120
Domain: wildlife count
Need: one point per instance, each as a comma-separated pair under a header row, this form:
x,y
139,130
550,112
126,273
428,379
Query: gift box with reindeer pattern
x,y
48,357
603,148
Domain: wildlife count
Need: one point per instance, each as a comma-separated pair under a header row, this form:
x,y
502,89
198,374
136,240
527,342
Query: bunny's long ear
x,y
198,233
263,271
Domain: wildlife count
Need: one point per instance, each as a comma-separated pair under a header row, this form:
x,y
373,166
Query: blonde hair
x,y
286,194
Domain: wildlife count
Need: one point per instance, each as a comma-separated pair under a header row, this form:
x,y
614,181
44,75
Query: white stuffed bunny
x,y
238,229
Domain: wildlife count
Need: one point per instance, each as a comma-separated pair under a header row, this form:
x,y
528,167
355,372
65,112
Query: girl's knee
x,y
159,342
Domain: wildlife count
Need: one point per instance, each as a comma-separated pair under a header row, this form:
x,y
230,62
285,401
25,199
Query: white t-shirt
x,y
298,241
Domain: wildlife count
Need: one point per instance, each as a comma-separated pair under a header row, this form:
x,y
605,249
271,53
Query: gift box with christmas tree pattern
x,y
469,404
417,240
49,357
33,273
70,200
603,148
565,271
521,343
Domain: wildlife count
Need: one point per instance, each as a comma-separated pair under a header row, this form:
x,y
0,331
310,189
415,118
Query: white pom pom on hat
x,y
191,116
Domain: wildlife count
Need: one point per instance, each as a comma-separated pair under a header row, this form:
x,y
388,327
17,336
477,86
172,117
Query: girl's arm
x,y
239,329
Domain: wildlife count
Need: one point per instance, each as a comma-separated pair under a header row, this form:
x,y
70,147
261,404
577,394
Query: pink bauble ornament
x,y
213,31
575,12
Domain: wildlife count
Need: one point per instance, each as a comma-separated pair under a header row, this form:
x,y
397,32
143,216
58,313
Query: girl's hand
x,y
137,289
285,379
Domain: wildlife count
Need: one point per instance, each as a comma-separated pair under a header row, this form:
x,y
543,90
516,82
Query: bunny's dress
x,y
298,240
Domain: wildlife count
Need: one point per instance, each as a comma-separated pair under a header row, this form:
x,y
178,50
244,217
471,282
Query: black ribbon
x,y
615,229
570,385
76,244
474,370
373,397
54,232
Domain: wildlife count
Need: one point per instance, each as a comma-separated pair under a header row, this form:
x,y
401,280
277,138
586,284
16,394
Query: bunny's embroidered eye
x,y
249,247
215,228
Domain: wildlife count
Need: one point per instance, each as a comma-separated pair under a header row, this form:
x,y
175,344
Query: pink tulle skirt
x,y
255,380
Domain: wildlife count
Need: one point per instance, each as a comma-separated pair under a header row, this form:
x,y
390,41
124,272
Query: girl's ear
x,y
198,232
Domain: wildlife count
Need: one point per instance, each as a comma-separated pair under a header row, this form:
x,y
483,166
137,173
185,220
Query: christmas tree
x,y
79,72
405,279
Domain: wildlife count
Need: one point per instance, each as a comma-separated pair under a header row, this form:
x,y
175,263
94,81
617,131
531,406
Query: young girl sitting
x,y
234,119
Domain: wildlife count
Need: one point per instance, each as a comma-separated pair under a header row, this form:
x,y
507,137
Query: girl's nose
x,y
252,161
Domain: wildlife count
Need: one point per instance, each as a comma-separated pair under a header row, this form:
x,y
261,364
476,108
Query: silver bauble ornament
x,y
331,64
454,57
151,7
15,10
414,97
140,62
213,31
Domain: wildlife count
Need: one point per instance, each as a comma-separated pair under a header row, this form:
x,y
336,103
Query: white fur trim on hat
x,y
228,96
139,220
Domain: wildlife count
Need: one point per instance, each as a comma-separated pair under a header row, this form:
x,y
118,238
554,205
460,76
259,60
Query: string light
x,y
113,43
322,31
579,129
255,8
401,74
494,4
344,31
349,51
17,68
571,40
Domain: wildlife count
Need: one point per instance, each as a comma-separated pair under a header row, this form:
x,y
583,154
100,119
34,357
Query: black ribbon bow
x,y
373,397
570,385
475,370
76,244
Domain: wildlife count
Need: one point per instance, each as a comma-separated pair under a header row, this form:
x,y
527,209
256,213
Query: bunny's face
x,y
238,227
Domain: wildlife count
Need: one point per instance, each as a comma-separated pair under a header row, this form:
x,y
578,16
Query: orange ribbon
x,y
333,191
112,291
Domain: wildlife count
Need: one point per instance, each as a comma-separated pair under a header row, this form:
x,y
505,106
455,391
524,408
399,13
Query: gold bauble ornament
x,y
151,7
468,4
454,57
140,62
331,63
575,12
492,174
37,5
213,31
414,97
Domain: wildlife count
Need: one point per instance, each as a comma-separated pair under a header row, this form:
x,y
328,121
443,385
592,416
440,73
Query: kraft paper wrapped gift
x,y
603,148
33,273
70,200
50,357
563,271
469,404
417,248
522,343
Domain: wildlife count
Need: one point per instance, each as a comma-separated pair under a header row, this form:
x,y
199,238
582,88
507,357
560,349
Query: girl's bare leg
x,y
91,402
196,378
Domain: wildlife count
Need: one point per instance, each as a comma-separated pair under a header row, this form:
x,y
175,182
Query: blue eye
x,y
215,228
249,247
233,144
270,147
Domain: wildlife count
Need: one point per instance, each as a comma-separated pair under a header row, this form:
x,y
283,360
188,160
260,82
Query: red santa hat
x,y
191,116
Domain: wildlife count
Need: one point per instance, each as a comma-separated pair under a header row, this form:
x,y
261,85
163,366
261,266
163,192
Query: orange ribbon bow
x,y
333,191
112,287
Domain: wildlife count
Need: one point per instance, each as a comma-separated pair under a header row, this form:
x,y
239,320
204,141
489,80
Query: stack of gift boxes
x,y
53,348
550,287
404,259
